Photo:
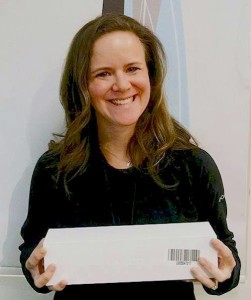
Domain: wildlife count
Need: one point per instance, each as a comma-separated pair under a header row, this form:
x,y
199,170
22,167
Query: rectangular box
x,y
128,253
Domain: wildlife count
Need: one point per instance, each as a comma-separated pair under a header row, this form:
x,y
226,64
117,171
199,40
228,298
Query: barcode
x,y
186,255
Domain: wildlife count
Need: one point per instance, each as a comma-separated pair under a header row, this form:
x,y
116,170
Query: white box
x,y
128,253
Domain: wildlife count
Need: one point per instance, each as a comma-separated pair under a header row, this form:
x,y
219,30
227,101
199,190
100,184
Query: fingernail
x,y
202,260
52,267
43,251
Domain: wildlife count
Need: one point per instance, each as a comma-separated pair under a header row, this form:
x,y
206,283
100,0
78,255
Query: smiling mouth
x,y
123,101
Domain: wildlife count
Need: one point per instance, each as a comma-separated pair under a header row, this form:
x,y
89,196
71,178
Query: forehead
x,y
118,42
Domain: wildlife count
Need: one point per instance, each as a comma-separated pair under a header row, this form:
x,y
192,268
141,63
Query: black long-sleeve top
x,y
105,196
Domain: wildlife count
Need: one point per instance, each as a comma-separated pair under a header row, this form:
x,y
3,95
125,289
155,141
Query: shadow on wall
x,y
45,117
165,18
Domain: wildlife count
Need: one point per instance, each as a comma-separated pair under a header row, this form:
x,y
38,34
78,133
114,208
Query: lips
x,y
122,101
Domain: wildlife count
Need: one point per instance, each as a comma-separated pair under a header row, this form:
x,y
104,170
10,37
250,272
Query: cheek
x,y
97,90
145,86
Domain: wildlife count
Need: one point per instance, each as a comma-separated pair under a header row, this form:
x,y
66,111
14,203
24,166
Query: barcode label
x,y
183,256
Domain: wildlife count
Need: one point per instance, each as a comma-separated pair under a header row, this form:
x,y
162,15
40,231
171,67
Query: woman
x,y
123,160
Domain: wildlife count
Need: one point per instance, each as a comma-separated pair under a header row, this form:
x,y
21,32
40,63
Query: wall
x,y
219,80
35,36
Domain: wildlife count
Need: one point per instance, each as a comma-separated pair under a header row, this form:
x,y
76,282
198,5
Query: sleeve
x,y
212,191
38,218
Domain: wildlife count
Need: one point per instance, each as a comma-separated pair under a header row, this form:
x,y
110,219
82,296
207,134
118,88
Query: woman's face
x,y
118,79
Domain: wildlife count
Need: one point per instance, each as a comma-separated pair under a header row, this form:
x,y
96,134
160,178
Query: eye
x,y
103,74
133,69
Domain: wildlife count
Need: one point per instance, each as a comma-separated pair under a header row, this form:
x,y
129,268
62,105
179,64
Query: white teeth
x,y
122,101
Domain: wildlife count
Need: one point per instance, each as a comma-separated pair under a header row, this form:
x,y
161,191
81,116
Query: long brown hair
x,y
156,130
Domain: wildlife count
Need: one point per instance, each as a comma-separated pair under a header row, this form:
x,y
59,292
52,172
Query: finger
x,y
41,280
202,278
223,252
220,274
36,256
225,258
59,286
211,269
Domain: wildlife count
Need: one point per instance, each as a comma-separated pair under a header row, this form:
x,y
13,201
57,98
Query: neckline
x,y
112,168
127,167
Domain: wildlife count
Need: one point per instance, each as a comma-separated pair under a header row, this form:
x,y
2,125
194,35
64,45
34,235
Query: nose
x,y
121,83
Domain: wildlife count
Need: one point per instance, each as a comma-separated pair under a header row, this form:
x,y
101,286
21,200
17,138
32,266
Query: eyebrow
x,y
109,68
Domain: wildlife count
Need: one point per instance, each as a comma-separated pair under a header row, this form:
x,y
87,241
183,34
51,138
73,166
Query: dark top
x,y
104,196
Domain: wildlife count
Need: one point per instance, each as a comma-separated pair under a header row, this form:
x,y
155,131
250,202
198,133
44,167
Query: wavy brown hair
x,y
156,130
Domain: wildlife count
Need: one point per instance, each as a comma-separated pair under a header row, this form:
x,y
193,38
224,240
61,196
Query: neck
x,y
115,137
113,143
117,159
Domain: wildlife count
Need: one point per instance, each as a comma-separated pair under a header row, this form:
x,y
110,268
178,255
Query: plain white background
x,y
35,37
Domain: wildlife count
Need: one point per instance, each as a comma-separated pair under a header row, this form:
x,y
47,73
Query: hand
x,y
35,264
220,273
